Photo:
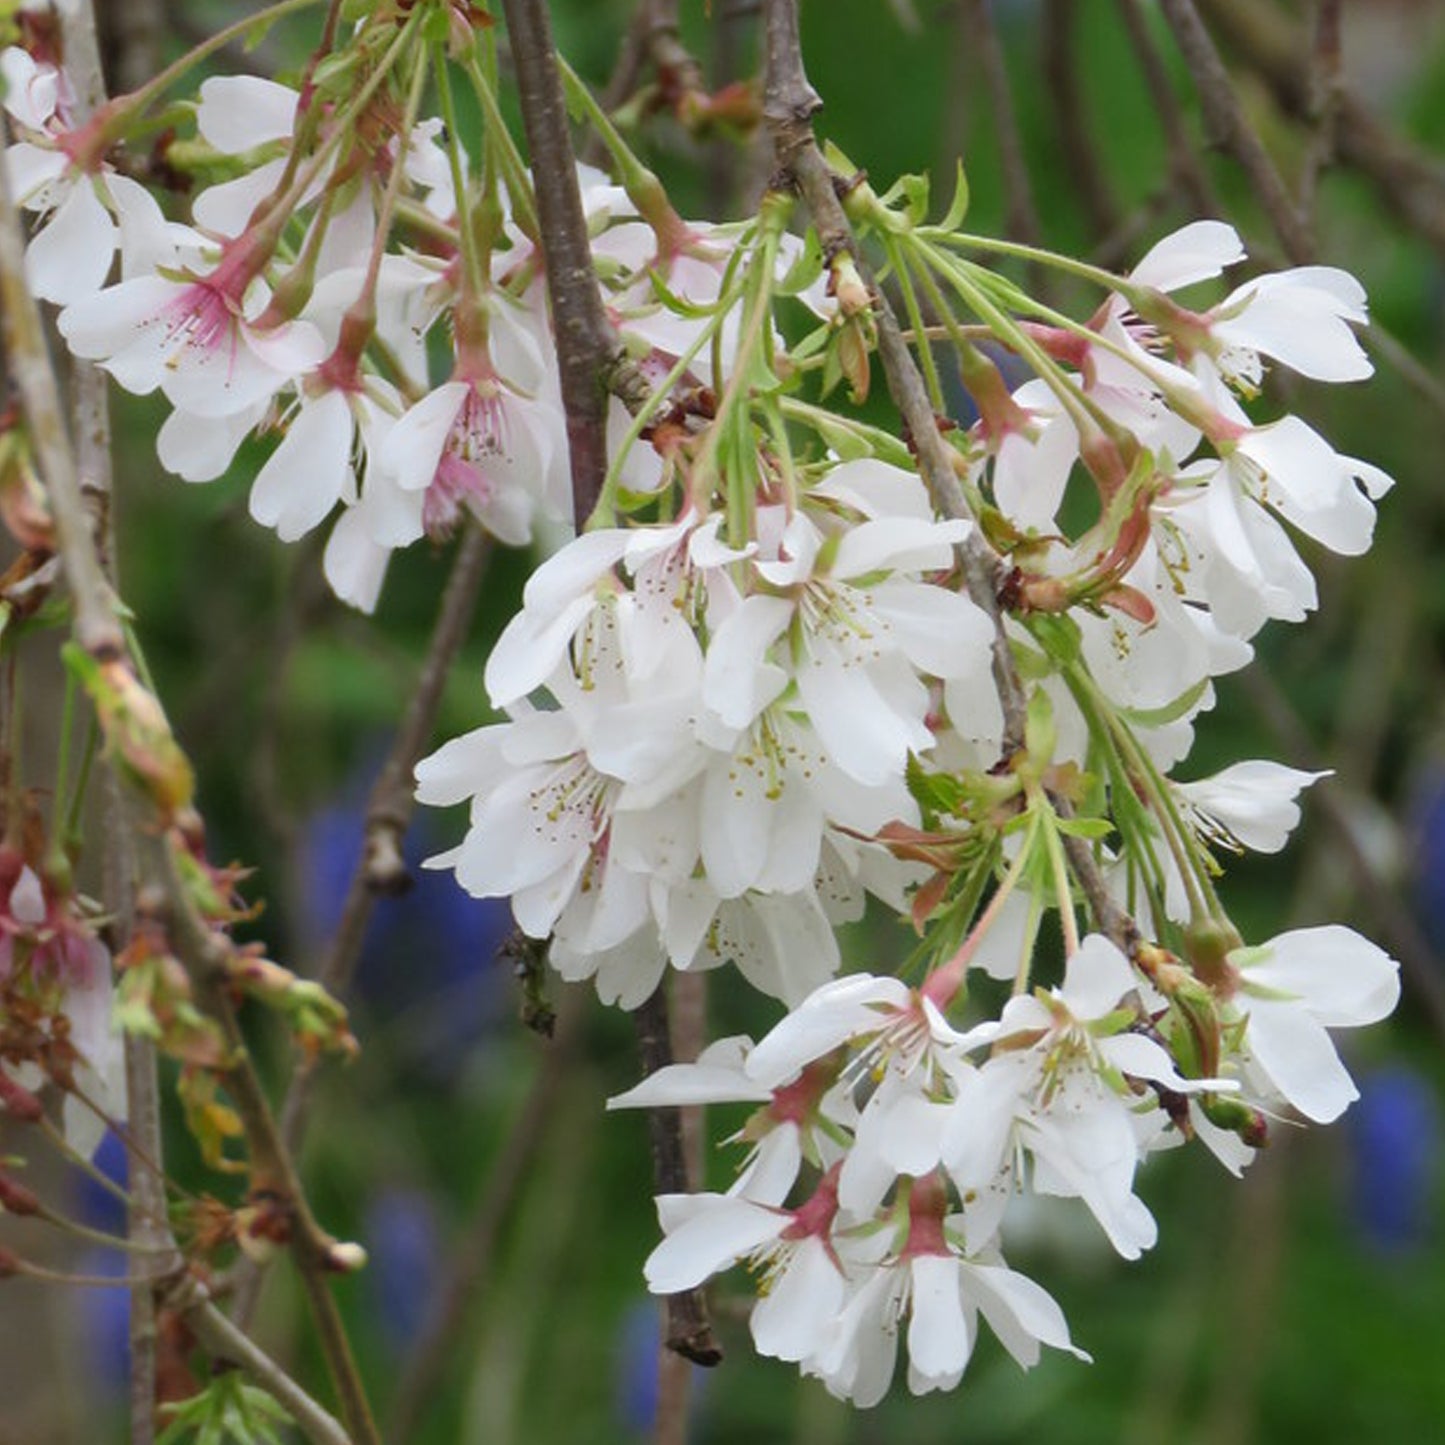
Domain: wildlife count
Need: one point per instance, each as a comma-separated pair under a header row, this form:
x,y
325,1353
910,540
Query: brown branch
x,y
1324,87
1230,129
1183,163
1409,180
1062,67
591,361
789,103
381,870
687,1331
588,349
471,1263
1021,216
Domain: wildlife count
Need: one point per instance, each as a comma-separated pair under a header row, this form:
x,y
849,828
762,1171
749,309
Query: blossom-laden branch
x,y
99,633
589,356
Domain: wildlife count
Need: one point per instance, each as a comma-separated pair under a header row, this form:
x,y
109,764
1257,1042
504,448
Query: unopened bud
x,y
1239,1118
15,1198
345,1258
19,1103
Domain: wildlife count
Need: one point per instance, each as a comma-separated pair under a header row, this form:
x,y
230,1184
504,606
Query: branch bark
x,y
204,954
591,360
588,348
1230,129
789,104
1409,180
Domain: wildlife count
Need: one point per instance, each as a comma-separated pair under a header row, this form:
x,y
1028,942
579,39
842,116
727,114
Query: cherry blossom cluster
x,y
317,285
774,675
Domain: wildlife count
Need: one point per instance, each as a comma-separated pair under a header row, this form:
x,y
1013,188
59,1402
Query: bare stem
x,y
225,1342
688,1331
1188,173
1230,129
472,1262
381,869
204,954
587,347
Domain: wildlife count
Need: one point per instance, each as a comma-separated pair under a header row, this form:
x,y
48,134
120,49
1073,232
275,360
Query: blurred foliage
x,y
1277,1309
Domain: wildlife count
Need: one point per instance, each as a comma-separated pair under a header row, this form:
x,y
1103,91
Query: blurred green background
x,y
1306,1303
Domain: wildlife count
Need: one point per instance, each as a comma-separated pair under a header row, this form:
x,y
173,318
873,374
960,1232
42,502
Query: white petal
x,y
939,1339
1300,1059
71,257
240,112
1342,979
305,477
708,1242
789,1321
1193,253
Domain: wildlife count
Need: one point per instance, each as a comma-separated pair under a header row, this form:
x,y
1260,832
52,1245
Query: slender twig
x,y
1408,179
1229,128
381,870
789,104
588,348
687,1331
1183,163
147,1227
1324,87
1021,216
590,359
688,1034
1062,67
471,1263
220,1337
204,954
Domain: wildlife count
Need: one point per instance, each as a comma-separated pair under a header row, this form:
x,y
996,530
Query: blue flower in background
x,y
637,1360
429,963
1395,1158
405,1263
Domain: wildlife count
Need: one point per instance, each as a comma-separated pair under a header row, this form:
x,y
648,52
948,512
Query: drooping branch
x,y
1409,180
587,346
147,1225
1063,74
1230,129
591,360
204,954
1021,216
1188,173
789,105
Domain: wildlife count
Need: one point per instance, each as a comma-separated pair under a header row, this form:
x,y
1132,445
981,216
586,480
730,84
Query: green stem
x,y
471,261
1068,264
916,321
513,167
138,100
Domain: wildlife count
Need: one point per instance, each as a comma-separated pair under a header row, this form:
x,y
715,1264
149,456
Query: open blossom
x,y
1055,1086
477,445
87,209
1292,990
195,337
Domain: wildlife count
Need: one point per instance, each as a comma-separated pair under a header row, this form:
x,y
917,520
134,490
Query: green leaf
x,y
958,207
